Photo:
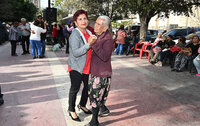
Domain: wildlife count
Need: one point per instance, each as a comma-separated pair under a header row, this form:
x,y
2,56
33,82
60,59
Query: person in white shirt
x,y
159,38
35,38
25,29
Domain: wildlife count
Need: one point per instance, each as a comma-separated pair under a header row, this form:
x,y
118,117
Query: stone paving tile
x,y
36,93
30,94
146,95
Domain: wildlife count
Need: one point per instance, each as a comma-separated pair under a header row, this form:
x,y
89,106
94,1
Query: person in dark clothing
x,y
164,53
67,32
3,34
54,34
1,97
43,36
171,54
60,35
131,43
186,54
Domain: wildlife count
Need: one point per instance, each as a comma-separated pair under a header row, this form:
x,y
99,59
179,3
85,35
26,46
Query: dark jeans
x,y
130,45
13,46
55,40
67,46
25,43
76,80
43,47
172,57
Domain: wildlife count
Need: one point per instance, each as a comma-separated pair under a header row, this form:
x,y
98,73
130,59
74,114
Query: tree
x,y
66,7
14,10
146,9
111,8
5,10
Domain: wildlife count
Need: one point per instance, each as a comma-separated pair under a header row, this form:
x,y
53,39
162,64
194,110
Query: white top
x,y
158,39
23,27
38,31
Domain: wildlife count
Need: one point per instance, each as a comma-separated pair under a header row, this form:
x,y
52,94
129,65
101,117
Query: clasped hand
x,y
92,39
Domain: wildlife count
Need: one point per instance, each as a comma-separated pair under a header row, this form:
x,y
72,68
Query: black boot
x,y
104,111
94,121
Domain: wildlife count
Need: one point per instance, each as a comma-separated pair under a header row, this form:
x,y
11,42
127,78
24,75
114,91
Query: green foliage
x,y
66,7
146,9
117,25
14,10
111,8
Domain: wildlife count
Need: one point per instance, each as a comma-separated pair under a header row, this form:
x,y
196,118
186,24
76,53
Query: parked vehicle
x,y
151,33
188,36
178,32
133,28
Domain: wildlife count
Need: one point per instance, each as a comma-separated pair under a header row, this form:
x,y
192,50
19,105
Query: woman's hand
x,y
32,31
92,39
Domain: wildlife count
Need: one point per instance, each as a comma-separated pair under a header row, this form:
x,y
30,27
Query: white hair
x,y
107,20
23,19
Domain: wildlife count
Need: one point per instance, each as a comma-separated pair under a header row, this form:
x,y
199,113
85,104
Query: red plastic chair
x,y
138,49
145,50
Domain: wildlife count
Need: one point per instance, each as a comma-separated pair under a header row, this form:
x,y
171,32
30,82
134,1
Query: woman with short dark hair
x,y
79,62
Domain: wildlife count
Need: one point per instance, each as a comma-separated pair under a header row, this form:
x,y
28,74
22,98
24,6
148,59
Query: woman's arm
x,y
74,43
70,29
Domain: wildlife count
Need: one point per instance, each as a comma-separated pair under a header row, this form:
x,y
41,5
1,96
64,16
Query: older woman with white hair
x,y
101,70
159,37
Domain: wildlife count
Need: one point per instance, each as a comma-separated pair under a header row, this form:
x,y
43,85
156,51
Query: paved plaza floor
x,y
36,93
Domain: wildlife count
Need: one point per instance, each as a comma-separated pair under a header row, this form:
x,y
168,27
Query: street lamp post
x,y
49,3
49,43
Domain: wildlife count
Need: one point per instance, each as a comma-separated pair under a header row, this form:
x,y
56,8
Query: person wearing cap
x,y
25,28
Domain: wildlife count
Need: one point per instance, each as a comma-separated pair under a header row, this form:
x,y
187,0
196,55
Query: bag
x,y
156,49
175,49
56,47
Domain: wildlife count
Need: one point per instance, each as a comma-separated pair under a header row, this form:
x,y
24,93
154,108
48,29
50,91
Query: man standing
x,y
25,28
43,36
101,70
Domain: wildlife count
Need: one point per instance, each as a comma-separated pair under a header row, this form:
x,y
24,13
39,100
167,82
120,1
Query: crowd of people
x,y
179,55
23,33
163,51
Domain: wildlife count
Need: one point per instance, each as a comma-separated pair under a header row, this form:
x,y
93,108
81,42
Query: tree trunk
x,y
144,21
